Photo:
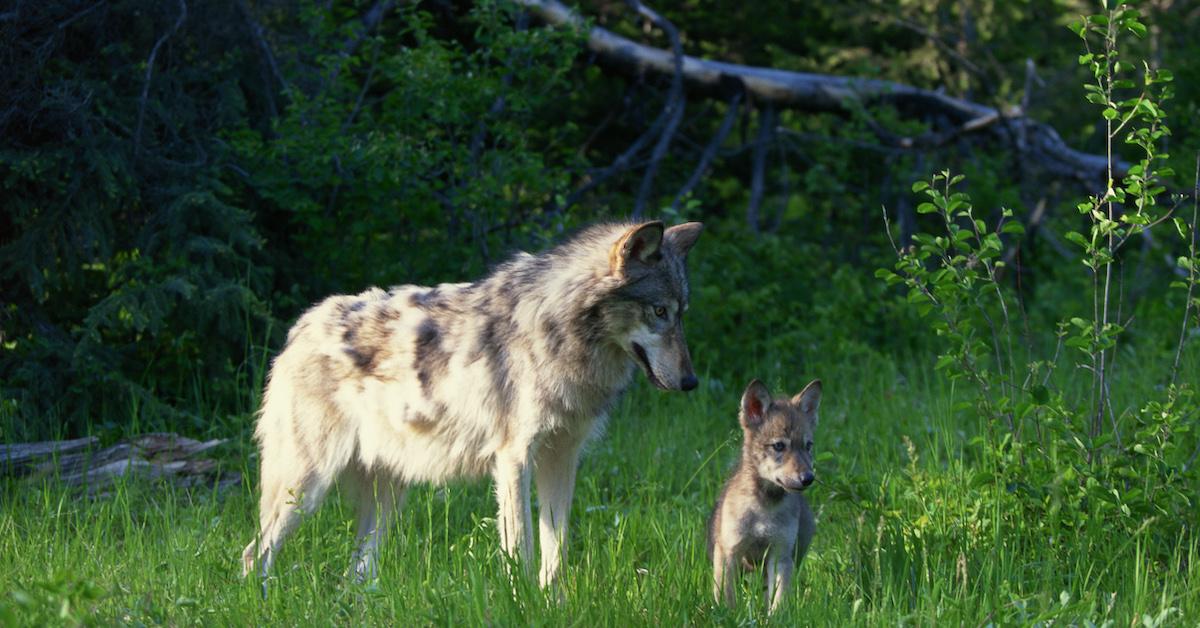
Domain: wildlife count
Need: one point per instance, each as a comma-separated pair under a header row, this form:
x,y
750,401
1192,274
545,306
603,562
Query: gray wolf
x,y
761,515
507,376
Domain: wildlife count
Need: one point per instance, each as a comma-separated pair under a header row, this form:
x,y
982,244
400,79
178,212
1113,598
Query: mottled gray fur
x,y
507,376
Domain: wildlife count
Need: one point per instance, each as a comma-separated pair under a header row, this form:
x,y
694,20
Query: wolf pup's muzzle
x,y
799,483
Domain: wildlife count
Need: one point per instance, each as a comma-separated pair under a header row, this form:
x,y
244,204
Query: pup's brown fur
x,y
761,515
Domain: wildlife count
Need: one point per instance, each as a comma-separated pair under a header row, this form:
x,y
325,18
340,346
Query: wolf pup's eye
x,y
808,445
779,446
660,312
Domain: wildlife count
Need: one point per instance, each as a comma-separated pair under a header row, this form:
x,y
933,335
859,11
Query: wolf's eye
x,y
660,312
779,445
808,445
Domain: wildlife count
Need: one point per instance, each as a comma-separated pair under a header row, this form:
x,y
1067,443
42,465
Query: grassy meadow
x,y
910,532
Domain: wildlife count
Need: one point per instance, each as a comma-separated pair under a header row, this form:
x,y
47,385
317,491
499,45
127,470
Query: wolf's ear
x,y
681,237
809,399
755,401
639,245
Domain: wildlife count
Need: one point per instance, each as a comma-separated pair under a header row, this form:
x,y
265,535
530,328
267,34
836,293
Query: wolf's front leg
x,y
557,461
512,473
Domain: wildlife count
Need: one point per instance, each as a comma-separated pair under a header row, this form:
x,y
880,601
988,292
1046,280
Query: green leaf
x,y
1181,227
1077,238
920,185
1013,227
1040,394
926,208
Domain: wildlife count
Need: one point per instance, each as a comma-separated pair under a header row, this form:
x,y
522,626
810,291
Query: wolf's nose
x,y
807,479
690,382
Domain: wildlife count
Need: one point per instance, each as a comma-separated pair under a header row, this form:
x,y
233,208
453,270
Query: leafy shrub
x,y
1055,439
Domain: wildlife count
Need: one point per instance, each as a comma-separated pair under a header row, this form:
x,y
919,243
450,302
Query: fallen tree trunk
x,y
155,456
839,94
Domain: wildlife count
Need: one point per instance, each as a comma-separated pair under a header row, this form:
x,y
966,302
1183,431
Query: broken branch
x,y
827,93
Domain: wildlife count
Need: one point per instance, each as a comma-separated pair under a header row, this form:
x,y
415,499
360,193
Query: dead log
x,y
155,456
1038,142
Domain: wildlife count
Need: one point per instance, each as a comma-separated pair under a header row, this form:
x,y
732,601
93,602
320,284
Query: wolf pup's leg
x,y
557,461
724,573
779,575
512,474
804,535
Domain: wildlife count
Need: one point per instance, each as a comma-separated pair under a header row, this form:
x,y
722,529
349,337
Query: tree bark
x,y
839,94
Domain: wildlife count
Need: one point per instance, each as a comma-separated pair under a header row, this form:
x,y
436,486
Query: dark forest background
x,y
180,179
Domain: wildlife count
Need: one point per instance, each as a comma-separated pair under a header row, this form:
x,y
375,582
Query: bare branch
x,y
785,183
675,103
256,29
710,151
1191,284
766,130
619,165
839,94
368,22
137,133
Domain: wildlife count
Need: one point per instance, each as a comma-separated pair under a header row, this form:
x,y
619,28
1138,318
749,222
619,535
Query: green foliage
x,y
779,303
146,234
416,162
127,269
154,247
1067,458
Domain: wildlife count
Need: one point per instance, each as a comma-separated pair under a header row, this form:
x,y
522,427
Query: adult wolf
x,y
508,375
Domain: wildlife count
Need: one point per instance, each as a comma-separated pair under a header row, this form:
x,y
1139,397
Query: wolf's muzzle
x,y
644,362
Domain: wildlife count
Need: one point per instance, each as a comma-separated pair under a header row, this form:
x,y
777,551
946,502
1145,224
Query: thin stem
x,y
1187,304
1097,331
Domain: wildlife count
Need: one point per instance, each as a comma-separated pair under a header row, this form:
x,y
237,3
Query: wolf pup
x,y
507,376
761,515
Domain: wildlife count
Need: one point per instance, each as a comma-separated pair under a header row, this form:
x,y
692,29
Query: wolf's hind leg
x,y
288,502
380,499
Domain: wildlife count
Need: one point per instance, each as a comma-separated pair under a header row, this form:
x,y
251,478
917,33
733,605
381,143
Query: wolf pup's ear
x,y
755,401
639,245
681,237
809,399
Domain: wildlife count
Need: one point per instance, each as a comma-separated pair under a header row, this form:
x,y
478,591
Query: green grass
x,y
910,531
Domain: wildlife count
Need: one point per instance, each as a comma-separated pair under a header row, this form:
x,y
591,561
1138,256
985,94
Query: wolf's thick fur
x,y
508,376
761,515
